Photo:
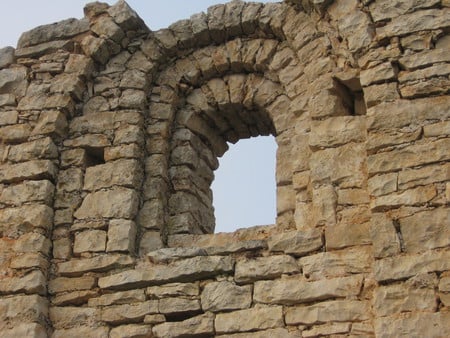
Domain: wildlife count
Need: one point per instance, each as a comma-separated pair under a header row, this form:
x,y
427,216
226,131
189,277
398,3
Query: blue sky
x,y
244,188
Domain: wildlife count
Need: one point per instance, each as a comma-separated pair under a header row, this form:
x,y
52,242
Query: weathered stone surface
x,y
336,131
22,309
199,325
63,284
258,318
68,317
121,235
384,236
295,290
380,73
117,203
426,230
250,270
327,329
177,306
43,148
415,196
297,243
335,310
26,217
91,240
125,297
15,133
126,313
174,290
417,294
415,323
220,296
87,332
33,282
346,234
125,173
6,56
77,267
28,191
31,170
131,331
401,267
185,270
26,330
337,263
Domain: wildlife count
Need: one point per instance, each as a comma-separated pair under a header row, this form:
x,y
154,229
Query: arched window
x,y
244,189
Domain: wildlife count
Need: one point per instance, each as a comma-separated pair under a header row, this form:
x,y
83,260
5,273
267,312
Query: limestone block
x,y
6,56
426,230
249,270
383,139
13,81
421,74
411,156
346,234
118,298
22,309
296,290
384,236
406,297
90,140
186,270
415,196
131,331
177,306
33,282
85,332
26,217
380,73
96,48
430,87
165,255
297,243
121,314
420,110
270,333
220,296
444,290
425,58
44,48
56,31
132,98
62,248
105,27
330,311
258,318
43,148
388,9
15,133
62,102
174,290
437,129
376,94
285,199
73,157
70,180
327,329
383,184
324,205
91,240
7,100
29,260
199,325
26,330
337,263
80,65
150,241
401,267
343,165
414,22
68,317
77,267
415,323
126,17
151,215
129,151
127,173
28,191
32,242
337,131
116,203
121,236
9,117
63,284
32,170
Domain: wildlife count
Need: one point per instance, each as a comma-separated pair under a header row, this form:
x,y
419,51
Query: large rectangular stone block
x,y
20,309
77,267
43,148
250,270
25,218
195,326
220,296
126,173
31,170
28,191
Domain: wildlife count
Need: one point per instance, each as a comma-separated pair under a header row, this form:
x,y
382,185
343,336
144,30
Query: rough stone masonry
x,y
110,135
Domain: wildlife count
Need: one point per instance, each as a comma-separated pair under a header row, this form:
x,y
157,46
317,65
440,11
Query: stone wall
x,y
110,135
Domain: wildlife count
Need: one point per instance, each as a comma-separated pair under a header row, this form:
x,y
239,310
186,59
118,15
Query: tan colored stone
x,y
258,318
131,331
28,191
327,329
69,317
22,309
336,131
383,184
121,314
401,267
220,296
121,236
270,333
337,263
250,270
424,324
334,310
26,330
63,284
419,195
383,233
177,306
380,93
199,325
117,203
324,205
174,290
86,332
91,240
26,218
76,267
297,243
417,294
381,73
347,234
31,170
296,290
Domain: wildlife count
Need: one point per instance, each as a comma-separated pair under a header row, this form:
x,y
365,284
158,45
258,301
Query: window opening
x,y
94,156
244,188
